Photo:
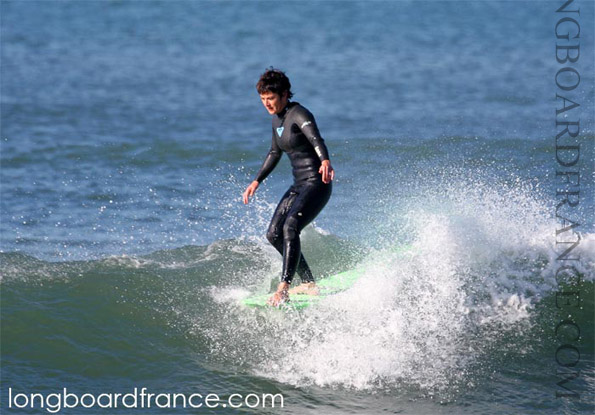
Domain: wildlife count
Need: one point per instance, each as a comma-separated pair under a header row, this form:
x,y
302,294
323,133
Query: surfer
x,y
295,133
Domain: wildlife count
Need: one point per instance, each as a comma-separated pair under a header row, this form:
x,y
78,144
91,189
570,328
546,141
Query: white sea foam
x,y
405,316
481,261
226,295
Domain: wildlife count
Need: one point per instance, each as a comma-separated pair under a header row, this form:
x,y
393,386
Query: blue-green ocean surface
x,y
129,130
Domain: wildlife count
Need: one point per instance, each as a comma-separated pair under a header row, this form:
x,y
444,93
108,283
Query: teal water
x,y
130,129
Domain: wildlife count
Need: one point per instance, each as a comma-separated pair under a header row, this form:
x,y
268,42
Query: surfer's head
x,y
274,80
274,89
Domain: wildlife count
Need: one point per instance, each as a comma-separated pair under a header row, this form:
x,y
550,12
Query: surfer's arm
x,y
307,124
269,164
305,120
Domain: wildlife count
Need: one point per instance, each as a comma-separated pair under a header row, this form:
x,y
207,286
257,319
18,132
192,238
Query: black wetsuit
x,y
295,133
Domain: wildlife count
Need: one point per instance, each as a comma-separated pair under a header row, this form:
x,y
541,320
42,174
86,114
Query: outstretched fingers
x,y
249,192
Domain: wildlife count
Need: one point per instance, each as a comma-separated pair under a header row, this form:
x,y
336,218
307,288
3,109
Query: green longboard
x,y
327,286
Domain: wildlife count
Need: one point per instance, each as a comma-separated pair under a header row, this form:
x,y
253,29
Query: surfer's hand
x,y
327,171
250,191
281,296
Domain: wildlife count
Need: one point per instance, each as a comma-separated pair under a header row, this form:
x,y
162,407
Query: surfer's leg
x,y
310,200
303,270
275,233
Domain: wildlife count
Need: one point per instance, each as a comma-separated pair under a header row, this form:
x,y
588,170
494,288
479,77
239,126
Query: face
x,y
273,102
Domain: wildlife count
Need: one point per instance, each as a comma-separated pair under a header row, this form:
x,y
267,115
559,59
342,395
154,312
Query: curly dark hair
x,y
274,80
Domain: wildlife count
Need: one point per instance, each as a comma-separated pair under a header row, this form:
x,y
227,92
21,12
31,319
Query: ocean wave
x,y
472,291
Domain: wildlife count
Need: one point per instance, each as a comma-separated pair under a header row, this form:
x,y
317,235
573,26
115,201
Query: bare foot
x,y
308,288
281,295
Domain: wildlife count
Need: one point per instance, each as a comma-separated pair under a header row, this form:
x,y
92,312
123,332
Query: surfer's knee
x,y
273,235
291,228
